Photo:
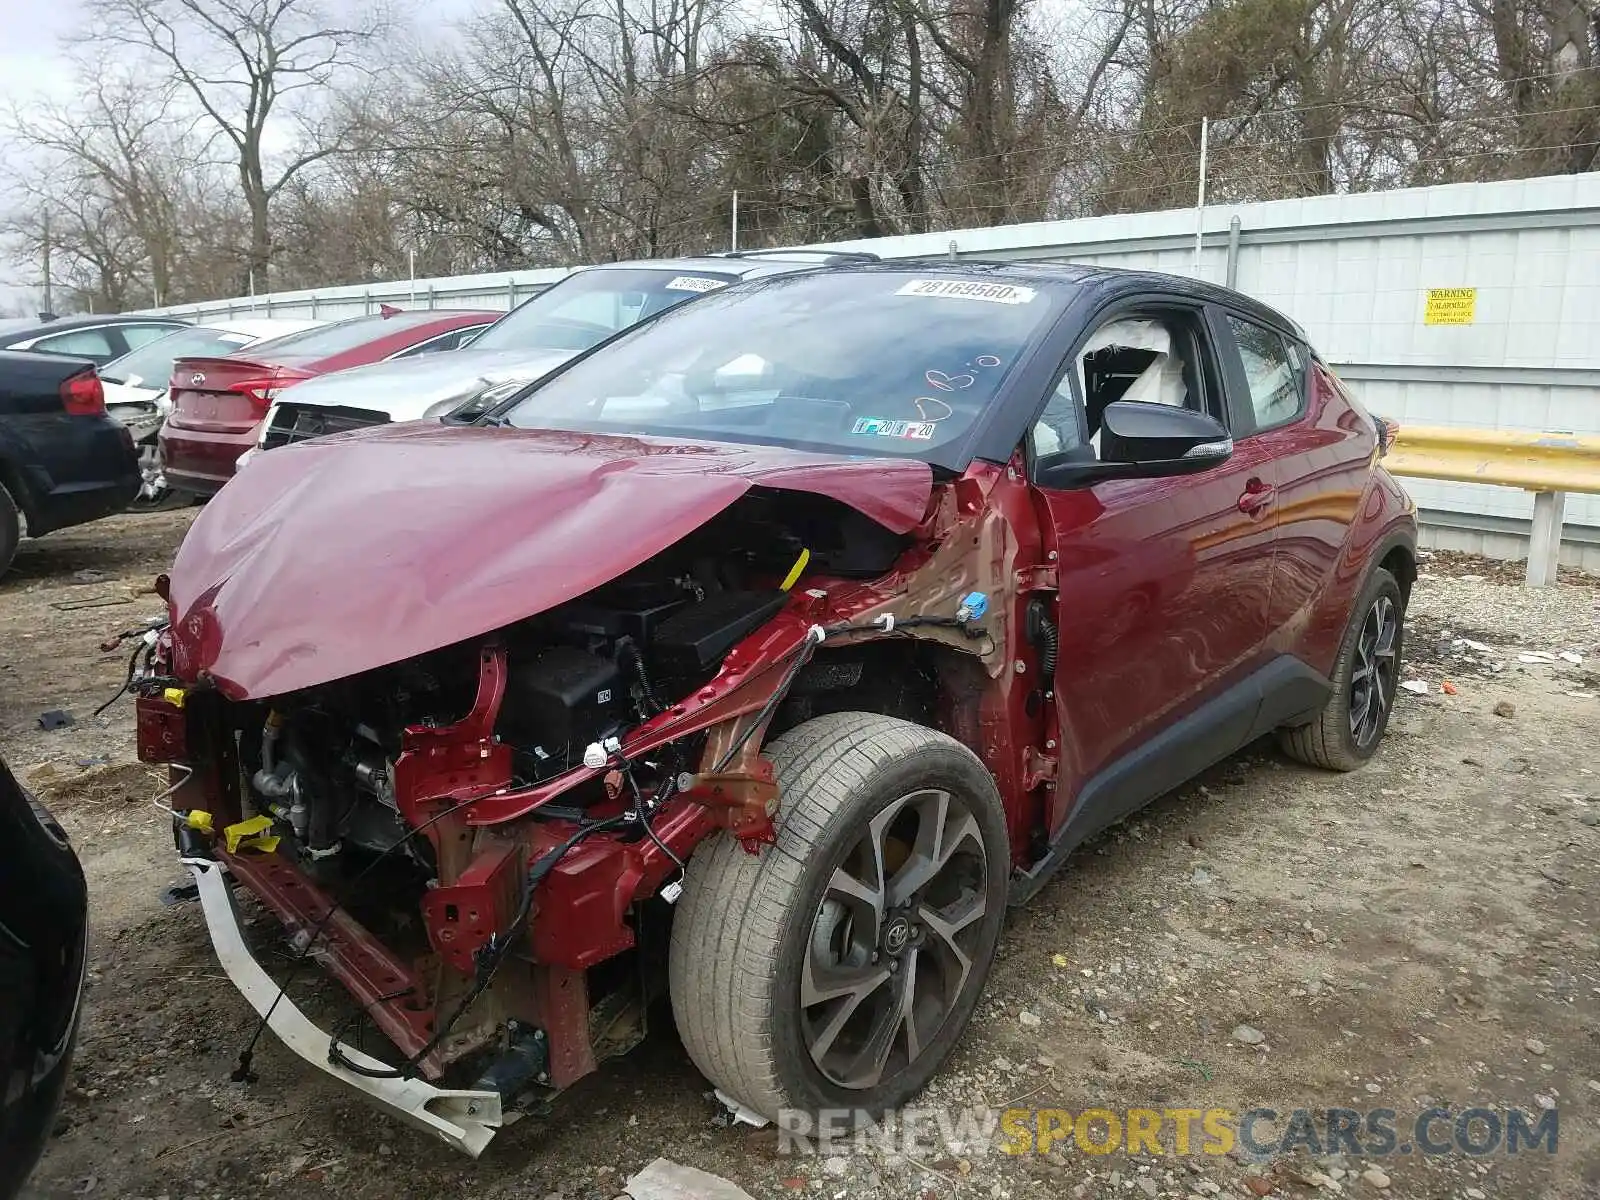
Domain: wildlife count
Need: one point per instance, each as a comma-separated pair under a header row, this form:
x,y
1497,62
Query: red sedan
x,y
218,403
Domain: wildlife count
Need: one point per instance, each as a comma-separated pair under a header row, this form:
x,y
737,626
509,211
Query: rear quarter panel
x,y
1339,514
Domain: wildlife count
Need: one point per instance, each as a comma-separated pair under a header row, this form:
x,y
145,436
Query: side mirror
x,y
1160,439
1140,440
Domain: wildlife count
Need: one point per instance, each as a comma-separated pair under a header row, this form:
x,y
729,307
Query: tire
x,y
750,929
151,498
1347,732
10,529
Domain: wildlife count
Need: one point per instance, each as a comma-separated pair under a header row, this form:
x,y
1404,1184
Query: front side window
x,y
1274,373
870,363
588,307
1150,357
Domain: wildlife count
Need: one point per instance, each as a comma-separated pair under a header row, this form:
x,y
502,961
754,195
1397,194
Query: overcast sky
x,y
30,62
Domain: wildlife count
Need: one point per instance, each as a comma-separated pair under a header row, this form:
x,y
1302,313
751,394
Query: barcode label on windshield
x,y
694,283
968,289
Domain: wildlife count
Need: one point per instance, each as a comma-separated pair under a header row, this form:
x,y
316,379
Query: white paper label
x,y
694,283
968,289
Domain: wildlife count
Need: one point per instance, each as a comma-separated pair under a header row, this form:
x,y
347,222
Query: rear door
x,y
1164,583
1319,450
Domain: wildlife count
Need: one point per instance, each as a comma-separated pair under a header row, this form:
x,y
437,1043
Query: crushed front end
x,y
482,842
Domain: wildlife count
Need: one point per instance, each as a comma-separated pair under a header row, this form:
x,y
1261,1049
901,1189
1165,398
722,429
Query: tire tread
x,y
733,911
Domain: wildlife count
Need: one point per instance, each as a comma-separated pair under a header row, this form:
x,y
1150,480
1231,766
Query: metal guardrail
x,y
1547,464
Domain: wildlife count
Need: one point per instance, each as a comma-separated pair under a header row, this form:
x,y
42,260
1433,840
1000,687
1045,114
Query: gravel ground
x,y
1420,932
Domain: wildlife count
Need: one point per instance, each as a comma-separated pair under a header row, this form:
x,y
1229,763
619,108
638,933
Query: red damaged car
x,y
218,404
771,648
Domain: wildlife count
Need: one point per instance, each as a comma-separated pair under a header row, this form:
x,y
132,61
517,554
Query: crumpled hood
x,y
338,555
406,387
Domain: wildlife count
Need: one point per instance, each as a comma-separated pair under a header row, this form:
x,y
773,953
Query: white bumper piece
x,y
466,1120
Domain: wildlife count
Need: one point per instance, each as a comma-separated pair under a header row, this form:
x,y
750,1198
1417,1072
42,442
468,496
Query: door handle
x,y
1257,497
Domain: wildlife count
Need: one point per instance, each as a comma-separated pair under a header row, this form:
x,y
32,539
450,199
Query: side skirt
x,y
1284,692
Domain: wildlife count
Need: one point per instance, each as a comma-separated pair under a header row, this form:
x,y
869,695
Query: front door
x,y
1164,584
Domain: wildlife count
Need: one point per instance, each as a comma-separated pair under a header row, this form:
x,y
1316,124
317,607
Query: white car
x,y
136,384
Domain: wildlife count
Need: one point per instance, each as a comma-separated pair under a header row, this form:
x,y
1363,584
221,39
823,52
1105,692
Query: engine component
x,y
560,697
692,641
524,1062
626,610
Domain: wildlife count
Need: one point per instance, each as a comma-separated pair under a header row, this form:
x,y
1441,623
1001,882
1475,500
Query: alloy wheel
x,y
1372,678
894,938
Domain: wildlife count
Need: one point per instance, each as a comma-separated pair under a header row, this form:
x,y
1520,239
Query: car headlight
x,y
470,405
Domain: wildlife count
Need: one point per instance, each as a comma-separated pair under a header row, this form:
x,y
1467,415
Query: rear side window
x,y
85,343
143,335
453,340
1274,371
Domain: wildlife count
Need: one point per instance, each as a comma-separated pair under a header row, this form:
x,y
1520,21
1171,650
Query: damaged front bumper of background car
x,y
464,765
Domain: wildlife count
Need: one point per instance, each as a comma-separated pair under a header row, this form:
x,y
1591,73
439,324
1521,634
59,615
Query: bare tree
x,y
243,63
252,133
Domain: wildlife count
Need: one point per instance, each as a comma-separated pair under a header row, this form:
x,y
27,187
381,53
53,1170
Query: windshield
x,y
151,364
870,363
589,307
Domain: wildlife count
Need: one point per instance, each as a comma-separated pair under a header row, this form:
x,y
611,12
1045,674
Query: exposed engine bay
x,y
321,762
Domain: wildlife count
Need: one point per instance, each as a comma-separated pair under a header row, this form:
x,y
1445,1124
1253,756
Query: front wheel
x,y
838,968
1347,731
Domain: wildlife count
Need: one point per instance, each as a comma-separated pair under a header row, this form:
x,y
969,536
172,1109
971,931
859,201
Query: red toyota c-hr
x,y
781,641
218,404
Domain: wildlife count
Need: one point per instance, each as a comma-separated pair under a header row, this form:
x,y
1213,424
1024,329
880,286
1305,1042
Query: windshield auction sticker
x,y
694,283
968,289
918,431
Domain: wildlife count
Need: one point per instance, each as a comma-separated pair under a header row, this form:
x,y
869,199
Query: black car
x,y
43,936
63,461
97,339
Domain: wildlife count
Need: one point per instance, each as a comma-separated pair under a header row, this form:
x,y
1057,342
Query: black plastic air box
x,y
695,639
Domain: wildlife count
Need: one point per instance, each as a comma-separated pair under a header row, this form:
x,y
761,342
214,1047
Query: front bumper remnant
x,y
467,1120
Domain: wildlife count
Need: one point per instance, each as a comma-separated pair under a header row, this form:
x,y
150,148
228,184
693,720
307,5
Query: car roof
x,y
1110,281
263,327
30,328
744,264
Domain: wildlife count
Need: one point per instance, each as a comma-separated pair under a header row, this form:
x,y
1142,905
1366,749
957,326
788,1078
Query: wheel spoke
x,y
941,833
819,984
942,929
908,1007
866,1068
1360,703
865,901
850,1001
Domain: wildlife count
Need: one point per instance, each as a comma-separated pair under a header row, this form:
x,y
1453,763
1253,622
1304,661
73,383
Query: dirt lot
x,y
1422,932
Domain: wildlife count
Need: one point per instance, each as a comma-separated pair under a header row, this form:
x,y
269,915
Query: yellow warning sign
x,y
1450,306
